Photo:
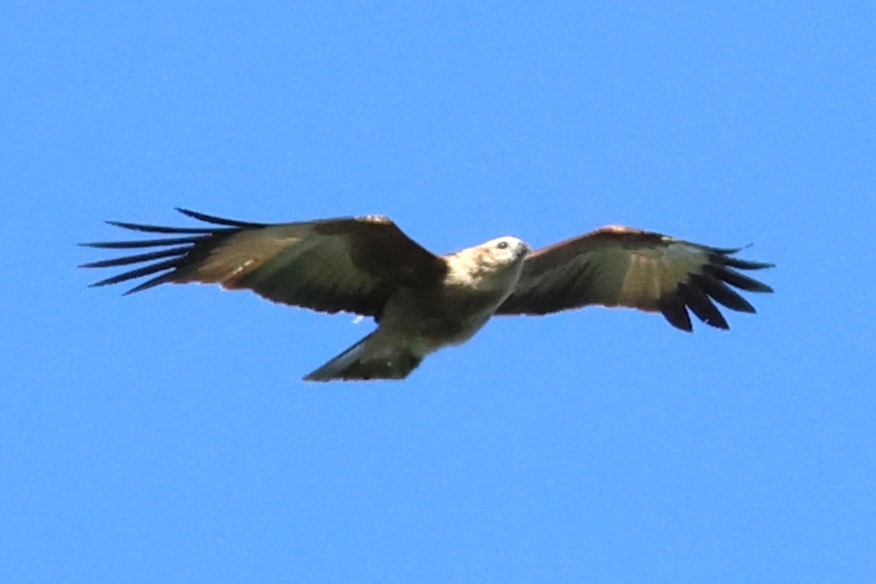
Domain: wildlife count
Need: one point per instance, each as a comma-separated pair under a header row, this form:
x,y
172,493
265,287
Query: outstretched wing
x,y
621,266
331,265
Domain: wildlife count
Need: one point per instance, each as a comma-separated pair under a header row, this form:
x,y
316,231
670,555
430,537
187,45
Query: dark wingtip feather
x,y
134,259
675,312
140,272
700,304
726,251
722,293
157,228
714,284
734,278
151,283
175,248
142,243
216,220
724,257
743,264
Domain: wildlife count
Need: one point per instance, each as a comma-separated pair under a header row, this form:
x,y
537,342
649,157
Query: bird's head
x,y
495,264
504,251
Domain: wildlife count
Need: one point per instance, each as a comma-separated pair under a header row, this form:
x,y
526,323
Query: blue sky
x,y
166,437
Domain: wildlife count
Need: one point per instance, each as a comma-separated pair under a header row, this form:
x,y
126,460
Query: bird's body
x,y
417,321
423,302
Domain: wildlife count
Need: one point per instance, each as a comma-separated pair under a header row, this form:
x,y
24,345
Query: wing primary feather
x,y
143,257
138,273
142,243
727,260
724,251
217,220
700,305
675,312
151,283
736,279
722,293
161,228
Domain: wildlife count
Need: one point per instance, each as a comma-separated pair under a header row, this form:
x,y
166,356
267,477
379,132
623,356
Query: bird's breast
x,y
438,318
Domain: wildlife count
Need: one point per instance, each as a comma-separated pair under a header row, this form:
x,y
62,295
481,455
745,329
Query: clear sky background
x,y
167,437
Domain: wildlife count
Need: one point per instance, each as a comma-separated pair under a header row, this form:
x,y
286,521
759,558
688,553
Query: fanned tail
x,y
367,360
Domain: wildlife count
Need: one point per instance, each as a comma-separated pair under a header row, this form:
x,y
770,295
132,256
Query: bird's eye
x,y
503,245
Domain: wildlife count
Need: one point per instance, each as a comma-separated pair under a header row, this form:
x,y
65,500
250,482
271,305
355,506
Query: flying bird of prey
x,y
422,301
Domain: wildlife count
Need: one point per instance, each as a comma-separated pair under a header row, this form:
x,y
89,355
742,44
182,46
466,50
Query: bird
x,y
421,301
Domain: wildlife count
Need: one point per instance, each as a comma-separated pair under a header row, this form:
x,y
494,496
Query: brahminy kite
x,y
422,302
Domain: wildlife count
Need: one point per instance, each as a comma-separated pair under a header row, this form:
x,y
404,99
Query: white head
x,y
503,251
494,264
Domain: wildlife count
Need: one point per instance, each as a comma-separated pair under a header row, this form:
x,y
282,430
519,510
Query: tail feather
x,y
367,360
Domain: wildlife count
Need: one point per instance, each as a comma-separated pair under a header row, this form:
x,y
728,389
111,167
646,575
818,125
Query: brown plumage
x,y
422,301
